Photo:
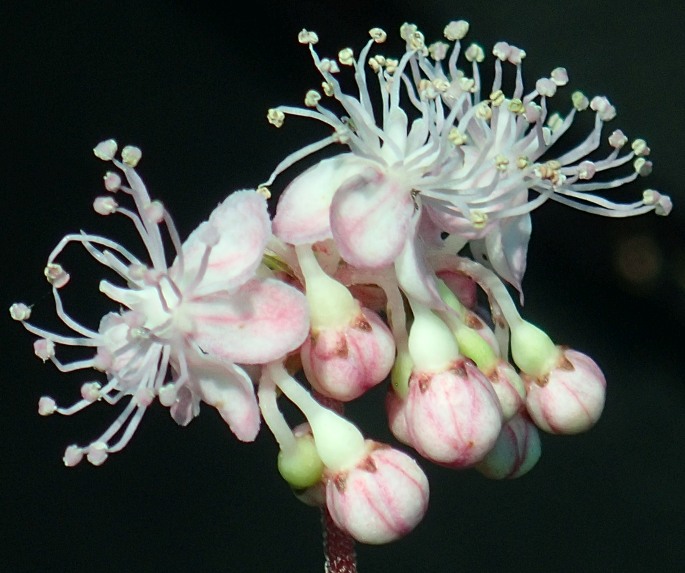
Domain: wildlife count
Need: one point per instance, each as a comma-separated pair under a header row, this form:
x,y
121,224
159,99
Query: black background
x,y
191,85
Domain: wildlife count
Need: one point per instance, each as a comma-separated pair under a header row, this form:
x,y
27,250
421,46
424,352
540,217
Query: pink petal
x,y
303,212
370,217
243,226
229,389
506,247
413,274
260,322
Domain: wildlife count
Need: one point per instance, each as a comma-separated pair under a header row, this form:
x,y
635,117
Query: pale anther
x,y
640,147
391,65
516,106
559,76
617,139
56,275
19,311
378,35
312,98
474,53
72,456
438,50
546,87
346,56
91,391
586,170
483,111
112,181
307,37
155,211
264,192
105,150
275,117
105,205
456,30
97,453
131,155
456,137
642,166
501,50
46,406
479,218
327,89
497,98
467,84
580,101
329,66
501,162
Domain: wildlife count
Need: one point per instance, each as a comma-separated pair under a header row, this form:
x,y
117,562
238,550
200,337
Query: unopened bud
x,y
570,398
381,499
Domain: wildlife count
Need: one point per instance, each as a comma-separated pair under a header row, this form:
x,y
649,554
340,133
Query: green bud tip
x,y
301,466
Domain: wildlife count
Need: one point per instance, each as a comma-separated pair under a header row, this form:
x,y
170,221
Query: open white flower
x,y
435,152
184,331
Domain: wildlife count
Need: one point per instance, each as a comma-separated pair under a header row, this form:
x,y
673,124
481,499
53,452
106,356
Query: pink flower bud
x,y
453,417
382,498
509,388
516,451
343,363
569,399
395,407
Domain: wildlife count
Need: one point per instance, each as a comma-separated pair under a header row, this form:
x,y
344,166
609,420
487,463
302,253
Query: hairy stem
x,y
338,546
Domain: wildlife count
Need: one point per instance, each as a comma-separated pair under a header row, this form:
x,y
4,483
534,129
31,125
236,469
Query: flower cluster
x,y
375,267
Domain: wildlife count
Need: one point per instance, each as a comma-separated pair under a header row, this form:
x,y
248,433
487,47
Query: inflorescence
x,y
370,271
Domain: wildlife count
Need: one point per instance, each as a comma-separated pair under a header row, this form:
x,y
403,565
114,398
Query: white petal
x,y
243,226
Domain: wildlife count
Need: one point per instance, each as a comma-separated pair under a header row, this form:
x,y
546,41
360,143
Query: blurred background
x,y
190,84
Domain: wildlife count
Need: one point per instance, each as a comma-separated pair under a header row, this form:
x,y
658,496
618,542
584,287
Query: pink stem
x,y
338,546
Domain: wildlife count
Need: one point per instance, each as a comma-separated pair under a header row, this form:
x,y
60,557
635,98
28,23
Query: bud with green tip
x,y
350,349
532,349
452,413
569,399
301,465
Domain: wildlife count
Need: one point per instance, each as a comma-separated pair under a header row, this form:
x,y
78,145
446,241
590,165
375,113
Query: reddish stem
x,y
338,546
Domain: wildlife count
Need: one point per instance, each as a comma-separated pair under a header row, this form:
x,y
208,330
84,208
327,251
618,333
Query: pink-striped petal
x,y
260,322
505,249
242,226
229,389
303,211
370,218
413,274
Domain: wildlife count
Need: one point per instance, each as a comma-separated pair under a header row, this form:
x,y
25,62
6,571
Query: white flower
x,y
183,330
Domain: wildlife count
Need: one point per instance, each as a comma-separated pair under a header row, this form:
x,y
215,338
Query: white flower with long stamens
x,y
435,144
183,330
370,199
506,141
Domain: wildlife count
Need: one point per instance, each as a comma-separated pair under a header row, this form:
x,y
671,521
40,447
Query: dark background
x,y
191,85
